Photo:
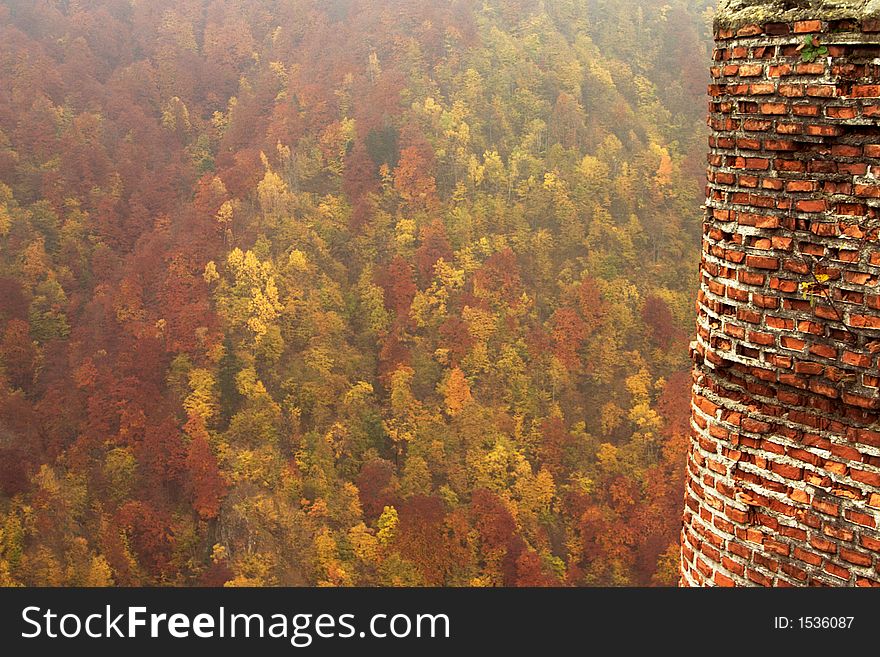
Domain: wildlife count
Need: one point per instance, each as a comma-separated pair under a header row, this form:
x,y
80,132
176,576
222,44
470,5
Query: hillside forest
x,y
347,293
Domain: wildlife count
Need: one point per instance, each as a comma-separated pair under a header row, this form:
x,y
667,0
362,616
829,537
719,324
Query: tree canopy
x,y
347,293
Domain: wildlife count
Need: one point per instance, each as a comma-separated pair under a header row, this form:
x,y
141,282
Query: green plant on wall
x,y
811,49
814,287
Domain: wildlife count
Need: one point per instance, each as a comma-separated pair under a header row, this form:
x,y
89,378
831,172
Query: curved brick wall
x,y
784,465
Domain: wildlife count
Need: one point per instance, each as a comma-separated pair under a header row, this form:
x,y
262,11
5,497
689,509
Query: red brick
x,y
791,90
837,571
811,206
761,262
795,166
866,91
779,70
795,572
723,580
863,321
759,578
798,495
788,471
792,343
857,360
854,557
774,108
777,29
824,130
779,145
868,191
821,91
801,186
802,27
842,112
809,557
751,70
869,543
845,150
756,125
865,477
860,518
815,68
806,110
829,508
748,144
823,544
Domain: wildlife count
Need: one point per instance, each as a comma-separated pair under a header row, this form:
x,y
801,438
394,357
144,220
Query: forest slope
x,y
347,292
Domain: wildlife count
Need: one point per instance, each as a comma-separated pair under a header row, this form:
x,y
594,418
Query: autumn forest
x,y
346,292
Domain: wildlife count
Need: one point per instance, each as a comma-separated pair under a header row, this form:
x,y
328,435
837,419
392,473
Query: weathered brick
x,y
855,557
827,507
774,108
846,150
820,90
784,473
838,571
811,206
866,91
814,68
751,70
865,477
807,556
842,112
802,27
779,70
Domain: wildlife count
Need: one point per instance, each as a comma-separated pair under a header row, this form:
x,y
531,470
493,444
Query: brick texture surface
x,y
784,466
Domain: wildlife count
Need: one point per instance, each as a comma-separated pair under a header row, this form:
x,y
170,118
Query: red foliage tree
x,y
664,487
674,403
240,170
590,304
499,277
491,519
359,179
13,471
161,454
150,535
456,338
421,537
376,487
393,351
206,484
539,343
413,179
13,304
186,305
556,444
217,574
17,353
434,246
659,322
398,281
530,571
568,333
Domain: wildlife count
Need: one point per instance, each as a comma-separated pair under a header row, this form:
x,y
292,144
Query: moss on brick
x,y
736,13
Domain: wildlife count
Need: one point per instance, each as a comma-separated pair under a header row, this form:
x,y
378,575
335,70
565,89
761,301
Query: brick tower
x,y
784,465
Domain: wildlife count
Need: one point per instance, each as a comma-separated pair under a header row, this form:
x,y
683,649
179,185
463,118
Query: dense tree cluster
x,y
314,292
